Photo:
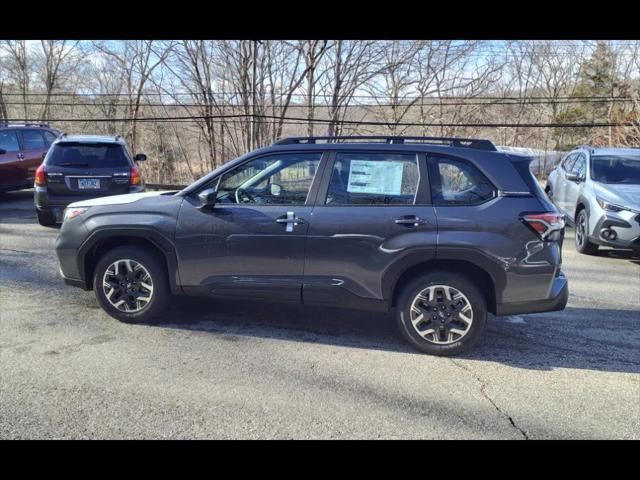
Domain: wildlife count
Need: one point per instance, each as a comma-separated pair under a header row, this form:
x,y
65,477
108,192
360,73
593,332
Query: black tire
x,y
457,281
161,292
582,243
46,219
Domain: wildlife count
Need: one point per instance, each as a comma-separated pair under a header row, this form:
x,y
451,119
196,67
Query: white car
x,y
598,189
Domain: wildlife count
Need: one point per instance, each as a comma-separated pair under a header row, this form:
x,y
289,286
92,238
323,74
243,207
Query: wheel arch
x,y
102,241
478,275
581,204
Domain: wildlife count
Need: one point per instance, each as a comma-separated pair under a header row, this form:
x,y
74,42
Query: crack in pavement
x,y
13,250
483,392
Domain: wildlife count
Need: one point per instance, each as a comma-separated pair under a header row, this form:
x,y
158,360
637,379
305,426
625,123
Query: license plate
x,y
89,183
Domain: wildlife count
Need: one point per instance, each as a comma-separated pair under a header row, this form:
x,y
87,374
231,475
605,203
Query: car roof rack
x,y
7,124
479,144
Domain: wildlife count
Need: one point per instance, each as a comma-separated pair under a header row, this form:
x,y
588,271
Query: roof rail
x,y
588,147
7,124
480,144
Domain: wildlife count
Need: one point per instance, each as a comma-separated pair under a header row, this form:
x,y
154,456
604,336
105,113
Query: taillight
x,y
135,176
544,223
41,178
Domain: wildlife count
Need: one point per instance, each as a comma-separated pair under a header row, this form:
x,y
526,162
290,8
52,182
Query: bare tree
x,y
136,61
55,60
351,65
313,51
18,68
393,89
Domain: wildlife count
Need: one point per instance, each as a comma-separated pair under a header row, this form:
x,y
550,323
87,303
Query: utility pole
x,y
253,134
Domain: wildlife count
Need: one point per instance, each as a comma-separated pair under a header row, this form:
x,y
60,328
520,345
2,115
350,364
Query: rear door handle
x,y
410,221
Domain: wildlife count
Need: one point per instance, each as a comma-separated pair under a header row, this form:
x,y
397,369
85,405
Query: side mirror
x,y
140,157
44,155
573,177
207,198
2,151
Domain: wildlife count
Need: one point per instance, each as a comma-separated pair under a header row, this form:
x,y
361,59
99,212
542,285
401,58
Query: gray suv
x,y
437,231
599,191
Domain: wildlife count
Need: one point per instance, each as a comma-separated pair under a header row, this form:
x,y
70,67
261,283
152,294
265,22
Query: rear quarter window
x,y
88,155
456,182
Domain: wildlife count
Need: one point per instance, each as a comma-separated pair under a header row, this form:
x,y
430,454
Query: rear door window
x,y
32,140
373,179
49,137
9,141
86,155
455,182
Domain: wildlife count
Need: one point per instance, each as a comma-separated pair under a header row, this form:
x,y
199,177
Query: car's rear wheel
x,y
46,219
583,245
441,313
131,284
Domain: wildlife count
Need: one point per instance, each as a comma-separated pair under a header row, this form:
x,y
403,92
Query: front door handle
x,y
412,221
290,220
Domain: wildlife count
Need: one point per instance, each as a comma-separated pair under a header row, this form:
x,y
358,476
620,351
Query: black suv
x,y
438,231
80,167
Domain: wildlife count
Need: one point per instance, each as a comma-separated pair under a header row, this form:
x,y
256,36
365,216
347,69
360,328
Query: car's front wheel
x,y
441,313
583,245
131,284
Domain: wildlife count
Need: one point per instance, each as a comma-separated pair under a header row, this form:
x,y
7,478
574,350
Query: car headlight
x,y
70,213
609,206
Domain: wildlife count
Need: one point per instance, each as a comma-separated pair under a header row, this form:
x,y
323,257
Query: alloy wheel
x,y
127,285
441,314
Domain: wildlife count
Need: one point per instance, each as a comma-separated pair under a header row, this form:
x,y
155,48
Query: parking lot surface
x,y
222,369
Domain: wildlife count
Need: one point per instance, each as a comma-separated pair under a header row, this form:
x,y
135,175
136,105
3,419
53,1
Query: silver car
x,y
598,189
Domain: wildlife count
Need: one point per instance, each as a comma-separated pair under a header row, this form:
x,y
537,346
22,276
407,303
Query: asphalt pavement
x,y
222,369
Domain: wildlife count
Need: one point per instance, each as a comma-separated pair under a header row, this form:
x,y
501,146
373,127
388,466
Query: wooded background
x,y
192,105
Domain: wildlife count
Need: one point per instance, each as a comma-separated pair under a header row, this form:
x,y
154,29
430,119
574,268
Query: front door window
x,y
281,179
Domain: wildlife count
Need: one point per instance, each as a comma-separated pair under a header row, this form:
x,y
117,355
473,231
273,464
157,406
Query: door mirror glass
x,y
573,177
140,157
2,151
207,198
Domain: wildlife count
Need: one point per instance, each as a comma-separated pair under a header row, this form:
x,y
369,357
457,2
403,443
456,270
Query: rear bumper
x,y
45,201
557,300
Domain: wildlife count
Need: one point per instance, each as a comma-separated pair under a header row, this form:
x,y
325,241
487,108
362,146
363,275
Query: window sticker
x,y
379,177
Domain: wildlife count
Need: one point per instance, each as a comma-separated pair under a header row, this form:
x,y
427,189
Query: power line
x,y
291,120
283,94
509,101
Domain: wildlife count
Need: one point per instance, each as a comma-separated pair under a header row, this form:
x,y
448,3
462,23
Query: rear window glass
x,y
98,155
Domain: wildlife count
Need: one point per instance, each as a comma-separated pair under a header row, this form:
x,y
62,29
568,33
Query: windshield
x,y
616,169
88,155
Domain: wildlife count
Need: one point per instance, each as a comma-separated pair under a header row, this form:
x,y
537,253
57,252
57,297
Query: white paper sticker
x,y
383,177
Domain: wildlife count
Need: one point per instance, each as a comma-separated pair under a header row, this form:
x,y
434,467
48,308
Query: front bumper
x,y
71,236
557,300
627,231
